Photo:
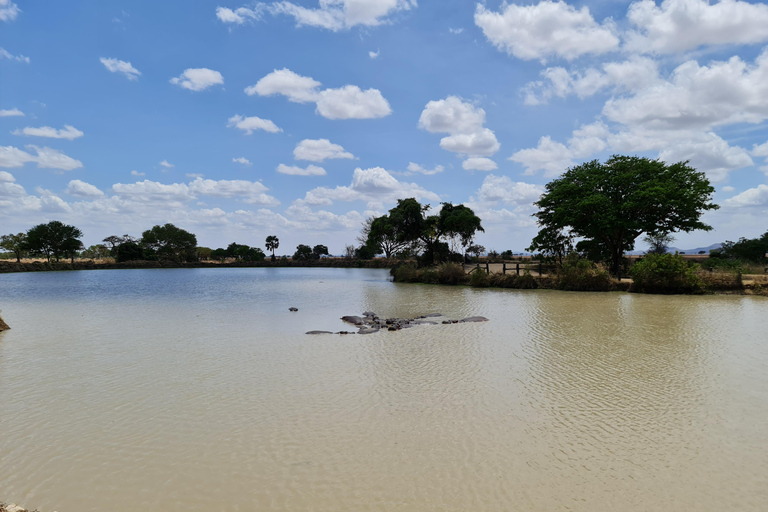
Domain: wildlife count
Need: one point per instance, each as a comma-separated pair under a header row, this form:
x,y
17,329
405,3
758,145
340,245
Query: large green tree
x,y
54,240
459,222
170,243
608,205
17,244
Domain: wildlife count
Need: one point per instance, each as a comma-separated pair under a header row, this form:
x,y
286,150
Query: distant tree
x,y
129,251
303,252
365,252
385,236
203,253
170,242
552,243
272,243
658,243
97,251
460,224
318,251
349,251
17,244
608,205
477,250
113,241
54,240
219,254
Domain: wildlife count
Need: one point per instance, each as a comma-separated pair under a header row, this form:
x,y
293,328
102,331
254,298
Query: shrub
x,y
523,282
451,273
665,273
405,273
579,274
479,279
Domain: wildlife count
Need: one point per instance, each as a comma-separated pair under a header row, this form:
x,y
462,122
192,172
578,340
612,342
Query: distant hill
x,y
672,250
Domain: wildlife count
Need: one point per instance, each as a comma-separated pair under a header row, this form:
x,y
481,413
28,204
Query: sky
x,y
237,120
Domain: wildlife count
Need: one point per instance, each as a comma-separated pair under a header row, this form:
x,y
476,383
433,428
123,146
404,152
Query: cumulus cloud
x,y
241,14
374,55
249,124
317,150
5,54
198,79
45,158
757,196
252,192
68,132
546,29
310,170
464,122
121,66
137,173
631,75
418,169
166,164
375,184
348,102
677,26
8,10
338,15
11,112
80,188
477,163
241,160
505,203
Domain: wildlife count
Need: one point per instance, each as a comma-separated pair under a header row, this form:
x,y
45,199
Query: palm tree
x,y
272,244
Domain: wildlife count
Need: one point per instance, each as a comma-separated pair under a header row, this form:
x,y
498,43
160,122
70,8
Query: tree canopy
x,y
170,242
54,240
608,205
272,243
17,244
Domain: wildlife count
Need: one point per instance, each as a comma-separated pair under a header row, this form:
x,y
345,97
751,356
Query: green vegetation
x,y
272,243
17,244
665,273
453,274
580,274
54,240
607,206
169,242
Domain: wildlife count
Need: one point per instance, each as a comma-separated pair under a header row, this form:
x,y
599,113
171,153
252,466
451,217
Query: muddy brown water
x,y
186,390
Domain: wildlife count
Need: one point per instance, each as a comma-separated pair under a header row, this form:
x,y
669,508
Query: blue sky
x,y
237,120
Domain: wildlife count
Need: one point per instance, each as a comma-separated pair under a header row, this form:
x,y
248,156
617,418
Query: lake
x,y
197,389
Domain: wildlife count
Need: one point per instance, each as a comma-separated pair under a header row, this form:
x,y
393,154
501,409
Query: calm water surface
x,y
187,390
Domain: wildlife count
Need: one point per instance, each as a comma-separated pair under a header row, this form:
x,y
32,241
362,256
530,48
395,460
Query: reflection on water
x,y
197,390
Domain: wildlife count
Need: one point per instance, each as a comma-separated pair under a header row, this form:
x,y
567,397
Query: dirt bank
x,y
3,327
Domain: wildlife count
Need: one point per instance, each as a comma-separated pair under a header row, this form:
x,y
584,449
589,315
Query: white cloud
x,y
416,168
8,10
546,29
631,75
456,30
297,88
728,189
760,150
317,150
348,102
241,160
757,196
121,66
502,189
479,164
677,26
46,158
249,124
194,175
464,122
68,132
375,184
12,112
710,153
374,55
198,79
154,192
337,15
166,164
137,173
4,54
80,188
240,15
320,220
311,170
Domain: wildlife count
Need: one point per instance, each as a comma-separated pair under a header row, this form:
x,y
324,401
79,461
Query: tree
x,y
96,252
609,205
170,242
349,251
113,241
746,249
272,243
303,252
54,239
384,236
552,243
129,251
658,243
17,244
318,251
460,223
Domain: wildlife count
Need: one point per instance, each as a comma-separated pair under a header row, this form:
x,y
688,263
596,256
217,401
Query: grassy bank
x,y
45,266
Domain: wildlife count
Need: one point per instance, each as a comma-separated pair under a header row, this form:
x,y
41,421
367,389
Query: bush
x,y
451,273
522,282
405,273
579,274
479,279
665,273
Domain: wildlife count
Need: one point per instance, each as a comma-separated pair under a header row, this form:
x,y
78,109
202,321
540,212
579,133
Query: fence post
x,y
504,268
487,268
517,269
539,268
478,267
